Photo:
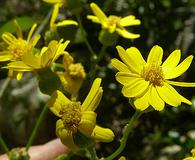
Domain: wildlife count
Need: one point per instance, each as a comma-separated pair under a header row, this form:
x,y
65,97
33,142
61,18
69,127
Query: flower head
x,y
57,4
44,59
18,46
192,157
148,82
74,74
76,117
114,23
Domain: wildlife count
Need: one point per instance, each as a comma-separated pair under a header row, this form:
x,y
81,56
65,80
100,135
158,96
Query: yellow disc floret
x,y
76,70
153,74
18,48
71,116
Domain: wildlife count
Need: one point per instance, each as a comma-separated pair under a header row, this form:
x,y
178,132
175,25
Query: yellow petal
x,y
8,38
129,21
155,101
66,23
119,65
54,15
93,19
181,84
173,59
19,76
60,50
46,58
34,40
179,70
169,95
95,92
102,134
31,32
128,60
5,56
142,102
98,13
135,54
87,123
19,66
53,1
135,88
124,33
65,136
155,55
18,29
32,60
57,101
126,77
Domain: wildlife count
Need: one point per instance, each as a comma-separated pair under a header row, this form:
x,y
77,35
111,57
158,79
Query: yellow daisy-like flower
x,y
114,23
18,46
193,155
72,78
57,4
76,117
148,83
45,59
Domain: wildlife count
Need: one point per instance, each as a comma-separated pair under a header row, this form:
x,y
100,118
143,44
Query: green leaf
x,y
24,22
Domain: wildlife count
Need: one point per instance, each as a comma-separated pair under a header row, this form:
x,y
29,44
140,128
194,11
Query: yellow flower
x,y
18,46
193,155
74,74
57,4
148,83
45,59
76,118
114,23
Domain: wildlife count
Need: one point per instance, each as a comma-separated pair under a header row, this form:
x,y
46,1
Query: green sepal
x,y
48,81
82,141
107,38
18,154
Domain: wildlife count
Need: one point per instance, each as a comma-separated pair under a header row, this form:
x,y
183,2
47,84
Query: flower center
x,y
76,71
71,116
18,48
154,74
114,20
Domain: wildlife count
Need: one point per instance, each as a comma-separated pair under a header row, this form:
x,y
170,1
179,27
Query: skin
x,y
47,151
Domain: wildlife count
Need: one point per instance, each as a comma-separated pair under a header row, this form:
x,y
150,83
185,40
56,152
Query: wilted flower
x,y
74,74
148,83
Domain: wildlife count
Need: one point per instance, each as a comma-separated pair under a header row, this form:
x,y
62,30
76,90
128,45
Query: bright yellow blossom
x,y
74,74
45,59
76,117
114,23
56,6
18,46
148,83
193,155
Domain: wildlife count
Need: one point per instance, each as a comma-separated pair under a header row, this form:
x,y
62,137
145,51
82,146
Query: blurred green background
x,y
166,135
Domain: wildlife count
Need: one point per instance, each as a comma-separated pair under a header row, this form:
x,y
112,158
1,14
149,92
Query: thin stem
x,y
93,154
4,86
3,145
94,67
36,127
127,130
85,38
43,24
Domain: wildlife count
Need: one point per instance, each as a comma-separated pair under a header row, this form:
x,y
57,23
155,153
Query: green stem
x,y
36,127
85,38
94,67
3,145
127,130
93,153
4,86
